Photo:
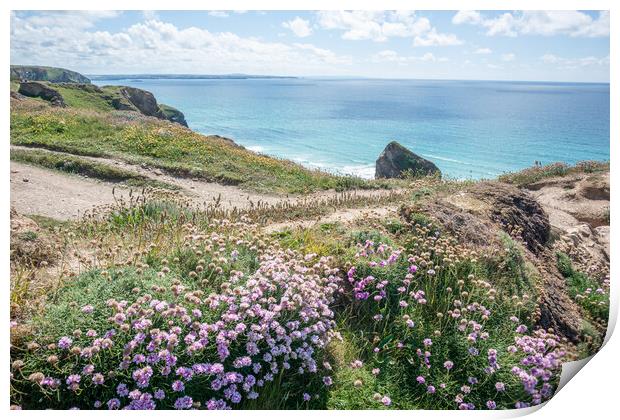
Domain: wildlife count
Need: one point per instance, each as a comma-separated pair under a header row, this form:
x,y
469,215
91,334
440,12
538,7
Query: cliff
x,y
46,74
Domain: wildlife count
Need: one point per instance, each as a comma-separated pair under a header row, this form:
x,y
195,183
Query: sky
x,y
466,45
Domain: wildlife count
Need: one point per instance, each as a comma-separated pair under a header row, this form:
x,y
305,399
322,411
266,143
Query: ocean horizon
x,y
471,129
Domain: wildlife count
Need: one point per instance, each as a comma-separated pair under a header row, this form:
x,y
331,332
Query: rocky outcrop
x,y
41,90
46,74
396,161
145,102
578,208
173,114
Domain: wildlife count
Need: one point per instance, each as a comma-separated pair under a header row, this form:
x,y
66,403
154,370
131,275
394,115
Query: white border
x,y
591,394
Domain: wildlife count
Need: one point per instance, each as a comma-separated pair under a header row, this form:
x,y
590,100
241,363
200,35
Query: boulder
x,y
41,90
396,160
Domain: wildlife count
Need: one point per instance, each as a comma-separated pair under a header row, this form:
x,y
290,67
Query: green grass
x,y
537,173
584,290
83,96
90,132
81,166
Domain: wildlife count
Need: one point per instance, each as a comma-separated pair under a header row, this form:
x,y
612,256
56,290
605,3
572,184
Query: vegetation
x,y
536,173
589,294
181,310
85,167
44,73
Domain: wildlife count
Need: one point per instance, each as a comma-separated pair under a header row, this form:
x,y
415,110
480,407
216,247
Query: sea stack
x,y
396,160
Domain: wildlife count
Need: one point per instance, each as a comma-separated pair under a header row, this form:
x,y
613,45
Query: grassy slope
x,y
81,166
538,173
88,127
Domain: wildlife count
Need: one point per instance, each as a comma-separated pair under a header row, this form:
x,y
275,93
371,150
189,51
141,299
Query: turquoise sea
x,y
470,129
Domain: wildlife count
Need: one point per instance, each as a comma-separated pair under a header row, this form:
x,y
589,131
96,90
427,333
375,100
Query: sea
x,y
469,129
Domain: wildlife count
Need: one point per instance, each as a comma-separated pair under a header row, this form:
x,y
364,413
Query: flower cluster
x,y
181,348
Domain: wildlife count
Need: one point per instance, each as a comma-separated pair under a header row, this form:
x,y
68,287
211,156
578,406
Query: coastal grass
x,y
537,173
137,139
85,167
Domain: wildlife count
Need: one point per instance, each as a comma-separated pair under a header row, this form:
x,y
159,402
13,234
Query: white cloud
x,y
548,23
483,51
392,56
300,27
466,16
508,57
159,47
379,26
573,63
433,38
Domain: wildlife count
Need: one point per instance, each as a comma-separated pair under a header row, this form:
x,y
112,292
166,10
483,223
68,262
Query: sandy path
x,y
65,196
55,194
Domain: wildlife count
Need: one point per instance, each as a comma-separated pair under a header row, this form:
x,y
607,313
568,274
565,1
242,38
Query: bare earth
x,y
578,209
53,194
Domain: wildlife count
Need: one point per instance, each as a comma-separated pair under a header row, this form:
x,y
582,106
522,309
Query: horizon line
x,y
198,76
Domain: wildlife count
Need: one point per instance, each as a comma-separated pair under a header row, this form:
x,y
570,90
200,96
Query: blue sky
x,y
483,45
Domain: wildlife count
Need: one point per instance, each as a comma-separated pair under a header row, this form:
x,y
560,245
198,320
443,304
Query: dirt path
x,y
341,215
55,194
66,196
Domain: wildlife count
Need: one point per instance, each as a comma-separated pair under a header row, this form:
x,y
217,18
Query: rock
x,y
47,74
143,100
41,90
396,160
173,114
516,212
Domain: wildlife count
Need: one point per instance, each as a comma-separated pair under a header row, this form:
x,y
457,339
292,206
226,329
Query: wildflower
x,y
159,394
427,342
64,343
420,379
178,386
122,390
88,309
430,389
183,403
327,380
521,329
356,364
491,405
114,404
448,364
73,381
98,379
306,396
386,400
376,371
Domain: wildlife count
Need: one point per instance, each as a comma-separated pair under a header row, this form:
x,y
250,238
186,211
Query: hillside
x,y
46,74
209,276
